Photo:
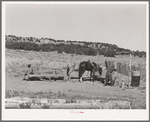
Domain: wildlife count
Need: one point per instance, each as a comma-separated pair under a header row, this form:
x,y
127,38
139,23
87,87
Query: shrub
x,y
46,106
25,105
110,53
92,52
22,46
60,51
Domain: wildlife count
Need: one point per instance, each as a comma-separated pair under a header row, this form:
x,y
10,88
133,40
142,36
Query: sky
x,y
121,24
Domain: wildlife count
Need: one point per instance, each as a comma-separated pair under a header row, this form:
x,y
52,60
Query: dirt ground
x,y
74,89
17,60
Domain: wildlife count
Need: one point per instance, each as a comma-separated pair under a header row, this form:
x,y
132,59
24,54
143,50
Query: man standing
x,y
70,67
109,75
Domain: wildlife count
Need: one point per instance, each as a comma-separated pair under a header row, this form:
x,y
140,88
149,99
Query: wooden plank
x,y
46,77
43,75
74,77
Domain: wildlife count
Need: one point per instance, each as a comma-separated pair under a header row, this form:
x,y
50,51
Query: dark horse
x,y
89,66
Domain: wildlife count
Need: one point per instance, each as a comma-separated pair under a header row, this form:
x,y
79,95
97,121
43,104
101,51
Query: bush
x,y
22,46
110,53
45,106
60,51
140,54
25,105
92,52
80,52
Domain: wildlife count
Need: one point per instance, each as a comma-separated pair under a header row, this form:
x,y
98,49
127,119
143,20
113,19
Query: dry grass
x,y
135,103
17,60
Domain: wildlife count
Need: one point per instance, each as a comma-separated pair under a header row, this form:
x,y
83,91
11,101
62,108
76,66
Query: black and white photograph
x,y
75,60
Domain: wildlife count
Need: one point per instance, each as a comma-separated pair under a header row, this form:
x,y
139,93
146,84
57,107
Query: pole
x,y
130,69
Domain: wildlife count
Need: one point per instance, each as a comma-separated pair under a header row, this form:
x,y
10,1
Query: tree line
x,y
70,49
74,47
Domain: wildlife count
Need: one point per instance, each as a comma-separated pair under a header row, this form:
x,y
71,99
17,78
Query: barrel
x,y
135,82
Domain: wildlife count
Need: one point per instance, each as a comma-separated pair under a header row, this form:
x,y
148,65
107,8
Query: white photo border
x,y
59,114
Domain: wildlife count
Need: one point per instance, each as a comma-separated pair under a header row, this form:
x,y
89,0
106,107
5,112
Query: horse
x,y
89,66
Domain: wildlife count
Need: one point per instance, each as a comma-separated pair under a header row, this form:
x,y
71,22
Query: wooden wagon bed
x,y
61,76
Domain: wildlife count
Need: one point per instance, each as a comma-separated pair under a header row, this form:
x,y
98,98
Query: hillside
x,y
70,47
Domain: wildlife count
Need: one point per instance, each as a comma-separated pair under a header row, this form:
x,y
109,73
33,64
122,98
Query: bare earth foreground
x,y
17,60
76,90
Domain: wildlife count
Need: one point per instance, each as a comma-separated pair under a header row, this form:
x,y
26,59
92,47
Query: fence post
x,y
130,64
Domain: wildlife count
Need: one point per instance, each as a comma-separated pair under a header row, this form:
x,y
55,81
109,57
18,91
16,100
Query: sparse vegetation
x,y
11,93
135,103
74,47
25,105
17,60
110,53
46,106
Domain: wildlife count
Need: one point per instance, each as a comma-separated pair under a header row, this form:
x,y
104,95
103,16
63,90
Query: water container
x,y
135,81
